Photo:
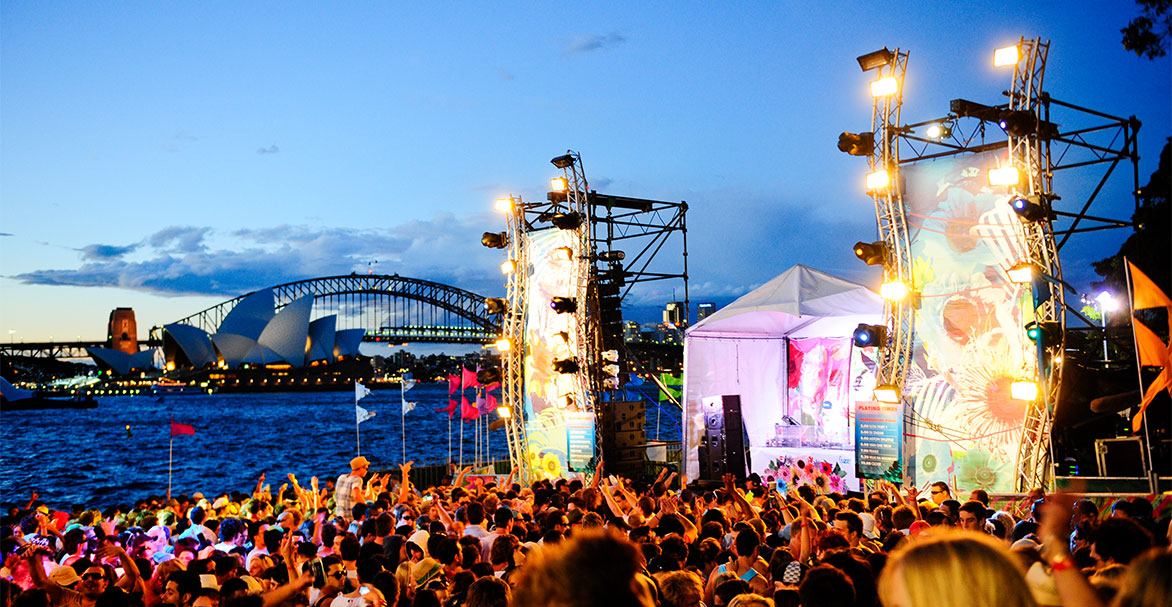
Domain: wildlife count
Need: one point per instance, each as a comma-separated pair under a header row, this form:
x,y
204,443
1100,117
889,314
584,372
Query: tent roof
x,y
791,303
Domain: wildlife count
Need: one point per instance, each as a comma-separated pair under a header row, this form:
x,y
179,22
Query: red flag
x,y
178,429
493,386
468,411
470,379
453,384
450,409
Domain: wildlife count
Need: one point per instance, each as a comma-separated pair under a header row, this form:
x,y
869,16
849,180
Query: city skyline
x,y
168,160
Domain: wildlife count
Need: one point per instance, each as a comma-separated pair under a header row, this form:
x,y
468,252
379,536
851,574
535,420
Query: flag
x,y
673,385
178,429
360,391
453,384
407,383
450,409
470,378
467,411
362,414
407,407
1152,350
482,407
1145,292
493,386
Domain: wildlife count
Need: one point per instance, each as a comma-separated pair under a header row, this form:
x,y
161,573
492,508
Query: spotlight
x,y
869,335
971,109
1021,273
1007,175
495,240
1024,389
886,393
878,180
857,144
566,365
503,412
503,344
558,184
1044,332
563,253
876,59
872,254
487,376
564,402
884,87
938,130
504,205
508,266
564,161
495,305
609,256
556,197
563,305
1009,55
611,369
1028,208
895,290
611,356
610,383
567,221
1018,123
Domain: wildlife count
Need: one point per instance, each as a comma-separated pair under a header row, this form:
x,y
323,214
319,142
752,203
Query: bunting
x,y
362,414
360,391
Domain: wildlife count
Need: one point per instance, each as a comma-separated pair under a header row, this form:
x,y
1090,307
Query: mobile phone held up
x,y
318,569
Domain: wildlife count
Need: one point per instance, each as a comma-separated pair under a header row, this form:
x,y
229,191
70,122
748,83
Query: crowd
x,y
378,540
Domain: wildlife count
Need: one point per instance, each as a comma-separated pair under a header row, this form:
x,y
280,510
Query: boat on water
x,y
163,388
16,399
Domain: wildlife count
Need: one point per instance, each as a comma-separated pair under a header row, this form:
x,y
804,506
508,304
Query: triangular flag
x,y
1145,292
1152,351
1163,381
360,391
450,409
178,429
482,404
453,384
407,407
672,384
407,384
493,386
362,414
467,411
470,379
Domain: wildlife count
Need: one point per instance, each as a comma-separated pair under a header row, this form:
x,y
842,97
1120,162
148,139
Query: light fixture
x,y
495,305
884,87
938,130
558,184
876,59
611,256
565,365
495,240
1024,389
1044,332
878,180
871,253
1106,301
1018,123
564,161
564,402
1028,208
562,337
964,108
563,305
1006,175
869,335
1009,55
857,144
611,356
611,369
563,253
567,221
503,412
886,393
1021,273
895,290
508,266
504,205
503,344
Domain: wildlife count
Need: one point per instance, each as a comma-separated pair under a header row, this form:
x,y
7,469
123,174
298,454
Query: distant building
x,y
122,332
675,314
631,331
704,310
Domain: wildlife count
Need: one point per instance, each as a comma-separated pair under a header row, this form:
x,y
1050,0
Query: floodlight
x,y
508,266
567,221
1028,208
556,197
878,180
610,369
971,109
495,305
876,59
1009,55
611,356
609,256
886,393
563,305
504,205
1106,301
495,240
884,87
1007,175
895,290
873,253
564,161
610,383
1021,273
1018,123
564,402
869,335
566,365
558,184
563,253
857,144
1024,389
938,130
503,412
503,344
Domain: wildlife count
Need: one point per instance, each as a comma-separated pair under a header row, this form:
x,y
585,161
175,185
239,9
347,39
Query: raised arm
x,y
597,474
405,486
281,594
131,576
36,570
1073,587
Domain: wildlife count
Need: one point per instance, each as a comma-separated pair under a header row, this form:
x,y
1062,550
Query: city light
x,y
1007,175
878,180
1024,389
1009,55
884,87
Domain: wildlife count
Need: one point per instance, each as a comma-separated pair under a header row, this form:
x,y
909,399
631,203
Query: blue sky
x,y
168,156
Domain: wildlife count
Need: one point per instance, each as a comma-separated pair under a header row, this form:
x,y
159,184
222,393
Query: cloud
x,y
96,252
179,239
5,234
597,183
272,149
586,43
505,75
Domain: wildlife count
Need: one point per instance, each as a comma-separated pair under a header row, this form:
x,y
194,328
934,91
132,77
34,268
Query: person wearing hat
x,y
348,489
426,572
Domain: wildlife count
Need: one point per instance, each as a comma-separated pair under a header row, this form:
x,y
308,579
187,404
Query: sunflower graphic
x,y
985,407
551,466
979,470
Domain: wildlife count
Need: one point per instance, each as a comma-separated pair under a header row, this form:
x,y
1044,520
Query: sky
x,y
168,156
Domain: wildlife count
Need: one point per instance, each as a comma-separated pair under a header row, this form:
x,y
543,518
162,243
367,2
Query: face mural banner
x,y
969,345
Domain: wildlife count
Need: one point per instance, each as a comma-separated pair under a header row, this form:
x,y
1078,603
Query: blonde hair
x,y
594,567
954,569
675,586
750,599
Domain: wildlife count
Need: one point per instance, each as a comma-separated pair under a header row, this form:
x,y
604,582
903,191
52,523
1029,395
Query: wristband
x,y
1061,563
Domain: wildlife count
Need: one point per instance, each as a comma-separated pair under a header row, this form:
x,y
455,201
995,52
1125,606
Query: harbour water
x,y
87,456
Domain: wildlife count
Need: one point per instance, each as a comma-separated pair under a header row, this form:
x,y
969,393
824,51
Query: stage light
x,y
495,305
1018,123
876,59
1024,389
610,383
610,256
564,402
1021,273
611,356
564,161
869,335
857,144
1007,175
489,375
503,344
508,266
1009,55
886,393
872,253
504,205
562,337
878,180
563,253
503,412
565,365
564,305
495,240
558,184
611,369
567,221
1028,208
884,87
971,109
895,290
1044,332
938,130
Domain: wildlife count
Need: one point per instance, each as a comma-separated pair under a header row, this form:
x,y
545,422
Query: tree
x,y
1148,34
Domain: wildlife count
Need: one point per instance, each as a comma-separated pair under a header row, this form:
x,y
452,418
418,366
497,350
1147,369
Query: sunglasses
x,y
93,576
337,575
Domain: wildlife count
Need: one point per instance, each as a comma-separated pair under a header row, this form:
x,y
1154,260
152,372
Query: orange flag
x,y
1163,381
1152,350
1146,293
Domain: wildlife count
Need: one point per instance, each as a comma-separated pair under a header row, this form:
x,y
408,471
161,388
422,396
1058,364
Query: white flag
x,y
360,391
408,383
362,414
407,407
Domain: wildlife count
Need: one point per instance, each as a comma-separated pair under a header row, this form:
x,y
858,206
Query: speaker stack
x,y
624,437
722,448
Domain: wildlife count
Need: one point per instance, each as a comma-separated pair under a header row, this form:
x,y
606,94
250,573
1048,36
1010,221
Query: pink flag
x,y
450,409
453,384
493,386
470,379
467,411
178,429
482,404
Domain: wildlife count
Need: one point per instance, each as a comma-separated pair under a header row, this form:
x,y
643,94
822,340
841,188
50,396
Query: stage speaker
x,y
734,441
1121,457
722,447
